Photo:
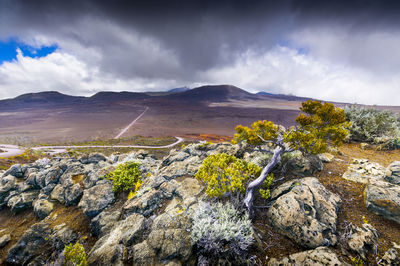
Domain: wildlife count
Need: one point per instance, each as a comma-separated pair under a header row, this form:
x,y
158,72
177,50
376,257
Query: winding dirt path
x,y
13,150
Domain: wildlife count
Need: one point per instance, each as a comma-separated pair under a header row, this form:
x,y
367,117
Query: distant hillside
x,y
282,96
47,98
182,89
110,96
213,93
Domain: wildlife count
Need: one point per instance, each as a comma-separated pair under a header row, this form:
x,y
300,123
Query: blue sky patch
x,y
8,50
292,45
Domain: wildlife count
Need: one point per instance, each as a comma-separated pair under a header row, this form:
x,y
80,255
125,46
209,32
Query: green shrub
x,y
75,255
225,173
373,126
221,230
126,177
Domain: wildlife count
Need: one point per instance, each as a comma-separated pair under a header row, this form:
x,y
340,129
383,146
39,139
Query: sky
x,y
345,51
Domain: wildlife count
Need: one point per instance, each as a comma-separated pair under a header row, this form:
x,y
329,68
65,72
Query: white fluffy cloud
x,y
285,70
65,73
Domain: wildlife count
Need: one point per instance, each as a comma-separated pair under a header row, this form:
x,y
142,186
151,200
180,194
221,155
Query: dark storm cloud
x,y
199,34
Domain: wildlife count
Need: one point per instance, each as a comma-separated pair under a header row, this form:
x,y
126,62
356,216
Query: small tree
x,y
320,124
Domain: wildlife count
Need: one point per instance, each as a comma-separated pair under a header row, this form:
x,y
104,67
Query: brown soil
x,y
352,209
28,156
15,225
208,137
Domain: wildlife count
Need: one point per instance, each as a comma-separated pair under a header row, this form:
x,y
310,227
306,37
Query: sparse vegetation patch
x,y
220,230
75,255
126,177
374,126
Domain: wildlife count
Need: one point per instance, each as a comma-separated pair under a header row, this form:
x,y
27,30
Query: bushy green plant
x,y
221,230
373,126
225,173
125,177
75,255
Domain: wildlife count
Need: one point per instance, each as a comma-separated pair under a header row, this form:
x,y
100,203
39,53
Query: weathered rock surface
x,y
296,164
110,249
259,158
22,201
58,194
391,258
97,198
92,158
104,222
7,184
30,245
305,211
63,235
179,168
143,254
170,234
320,256
362,171
326,157
149,199
73,194
383,198
15,170
393,173
363,239
42,208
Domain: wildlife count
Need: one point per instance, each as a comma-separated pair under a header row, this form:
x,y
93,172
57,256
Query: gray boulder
x,y
32,244
296,164
92,158
7,184
190,190
305,211
110,249
97,198
363,239
390,258
188,166
143,254
320,256
31,180
73,194
170,234
383,198
22,201
148,200
326,157
58,194
362,171
52,175
62,235
48,189
104,222
15,170
259,158
42,208
393,173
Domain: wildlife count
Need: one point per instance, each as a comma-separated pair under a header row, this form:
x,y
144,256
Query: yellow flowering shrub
x,y
126,177
75,255
225,173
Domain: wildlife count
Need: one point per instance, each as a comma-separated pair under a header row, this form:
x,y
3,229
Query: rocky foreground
x,y
154,226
